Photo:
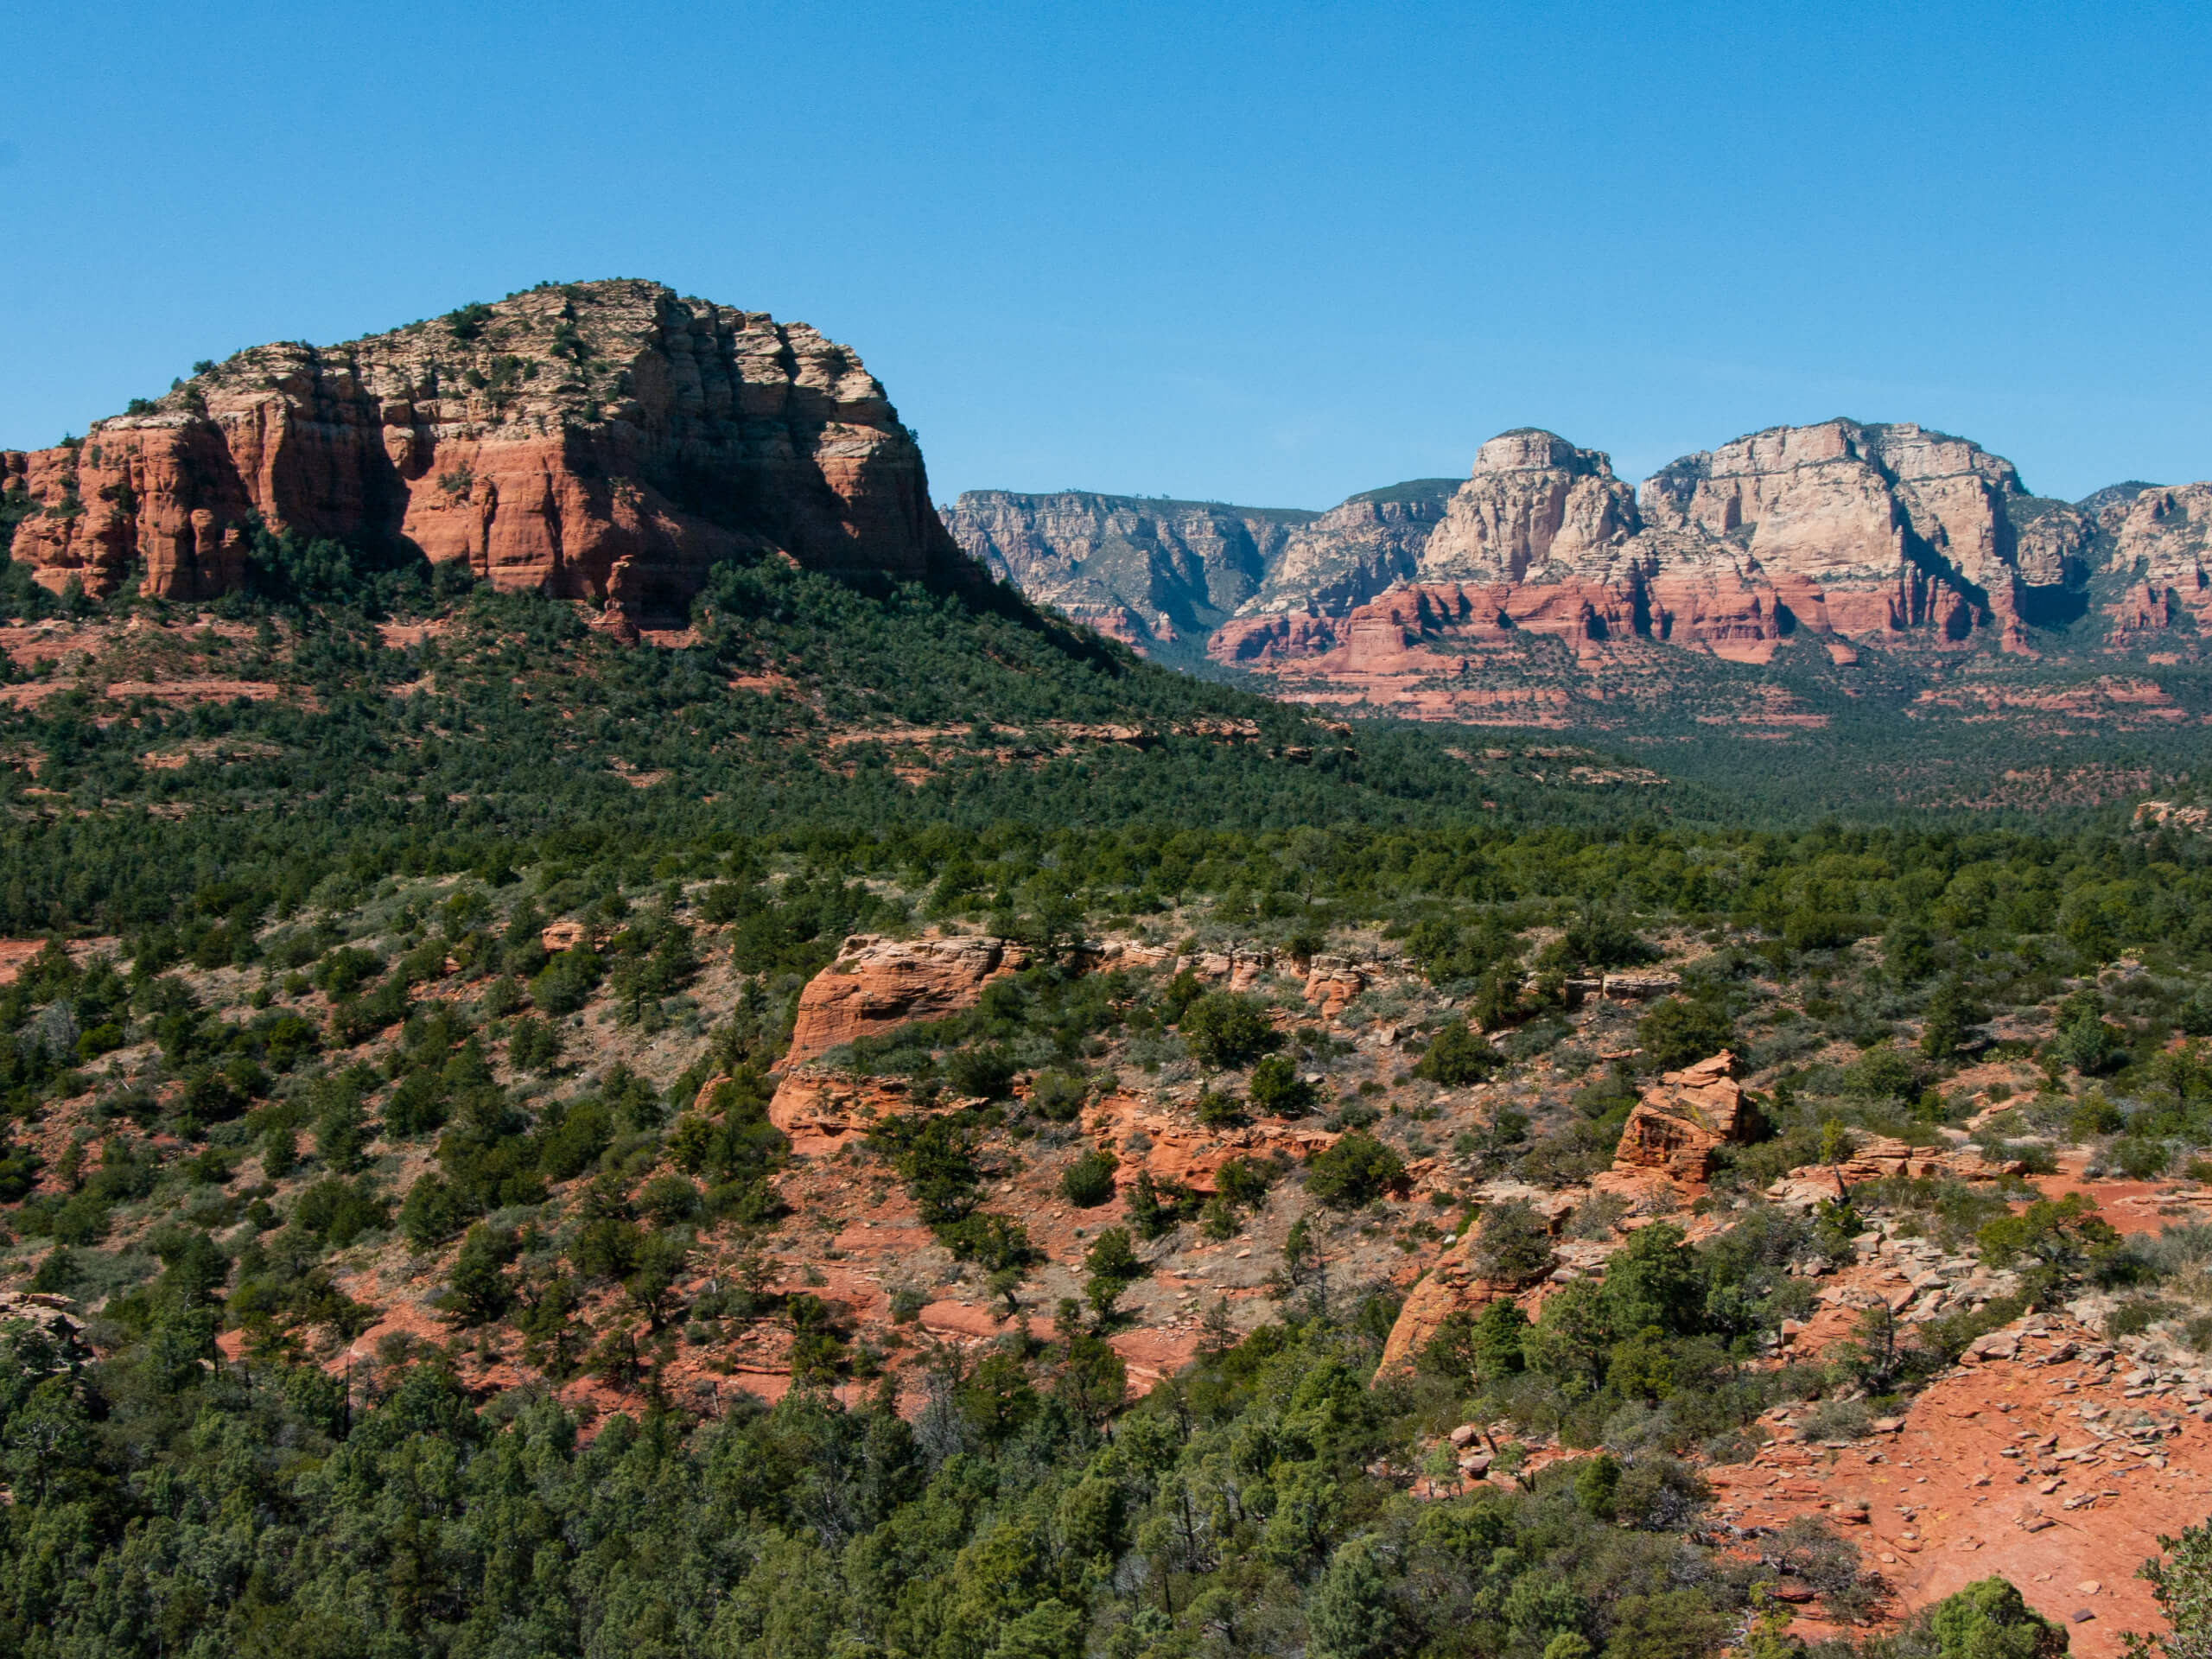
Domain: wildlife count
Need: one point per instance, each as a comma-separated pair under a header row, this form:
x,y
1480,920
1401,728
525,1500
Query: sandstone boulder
x,y
1456,1284
877,983
1332,985
1678,1125
1172,1149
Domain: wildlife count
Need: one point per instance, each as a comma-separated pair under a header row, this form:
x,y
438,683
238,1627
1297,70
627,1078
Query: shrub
x,y
1223,1029
1456,1056
2181,1579
1219,1110
1884,1074
2140,1157
1658,1494
338,1211
1514,1243
1355,1170
1990,1620
533,1044
984,1073
1057,1095
669,1200
1088,1182
567,981
1276,1088
1604,939
1679,1032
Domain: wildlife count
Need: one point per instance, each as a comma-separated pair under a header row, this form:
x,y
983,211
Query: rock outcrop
x,y
1150,572
1456,1284
1834,535
877,983
1680,1123
1177,1150
1429,601
1158,573
1534,509
604,441
1899,528
2162,552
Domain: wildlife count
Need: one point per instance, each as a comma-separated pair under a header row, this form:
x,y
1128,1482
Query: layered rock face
x,y
1534,509
604,441
877,983
1145,572
1899,528
1847,532
2162,552
1678,1125
1361,547
1160,572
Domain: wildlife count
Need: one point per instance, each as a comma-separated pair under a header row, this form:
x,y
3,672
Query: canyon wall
x,y
1843,532
604,441
1158,573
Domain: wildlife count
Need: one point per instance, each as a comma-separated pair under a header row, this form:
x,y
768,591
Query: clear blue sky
x,y
1269,254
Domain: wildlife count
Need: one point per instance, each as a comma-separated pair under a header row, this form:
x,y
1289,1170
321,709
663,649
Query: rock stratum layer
x,y
1845,533
1157,574
604,441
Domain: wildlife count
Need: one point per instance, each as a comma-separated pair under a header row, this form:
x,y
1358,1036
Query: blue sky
x,y
1266,254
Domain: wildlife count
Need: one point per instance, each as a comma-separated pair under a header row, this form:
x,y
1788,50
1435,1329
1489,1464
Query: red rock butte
x,y
603,441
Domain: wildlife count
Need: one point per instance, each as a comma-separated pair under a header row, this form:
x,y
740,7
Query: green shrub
x,y
1514,1243
2181,1581
2140,1157
1355,1170
1057,1096
1678,1033
1884,1074
567,981
1990,1620
1088,1182
1456,1056
985,1072
1276,1088
1223,1029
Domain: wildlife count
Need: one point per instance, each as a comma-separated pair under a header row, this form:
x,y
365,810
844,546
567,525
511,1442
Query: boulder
x,y
1456,1284
1678,1124
1332,985
878,984
1640,986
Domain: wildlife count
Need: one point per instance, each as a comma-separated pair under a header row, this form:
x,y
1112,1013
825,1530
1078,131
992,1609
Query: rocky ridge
x,y
603,441
1158,574
1842,533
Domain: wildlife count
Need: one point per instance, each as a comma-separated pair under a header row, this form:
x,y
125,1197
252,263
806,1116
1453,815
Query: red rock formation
x,y
604,441
1879,1158
1680,1123
1330,985
1840,530
877,983
1456,1284
1534,508
1176,1149
2162,543
820,1112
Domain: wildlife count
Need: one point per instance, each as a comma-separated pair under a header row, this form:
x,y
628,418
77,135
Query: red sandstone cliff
x,y
603,441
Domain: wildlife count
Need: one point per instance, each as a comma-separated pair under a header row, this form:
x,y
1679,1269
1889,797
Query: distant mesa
x,y
1844,532
604,441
